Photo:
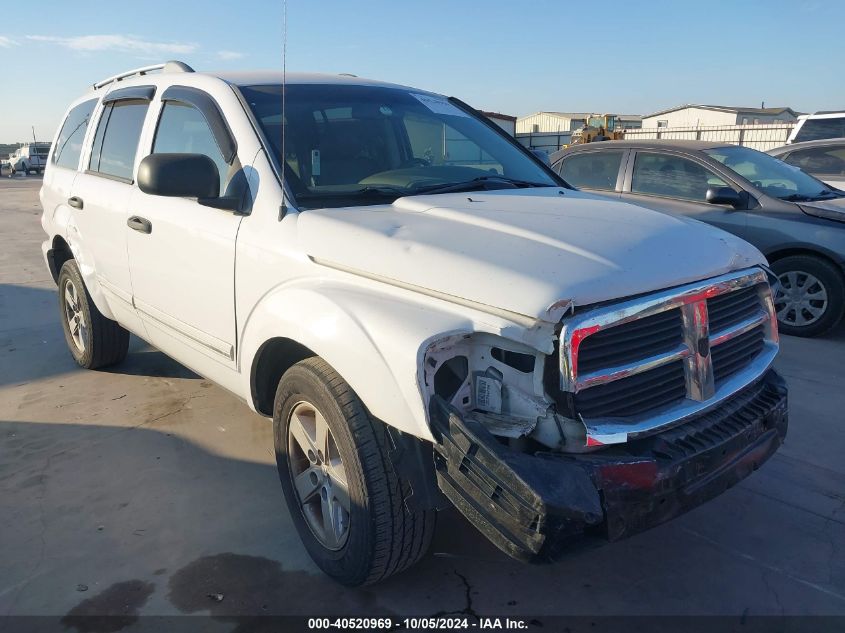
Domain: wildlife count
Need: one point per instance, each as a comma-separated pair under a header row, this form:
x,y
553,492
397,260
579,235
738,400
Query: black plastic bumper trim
x,y
533,507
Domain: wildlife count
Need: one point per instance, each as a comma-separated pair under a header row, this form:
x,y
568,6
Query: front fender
x,y
374,338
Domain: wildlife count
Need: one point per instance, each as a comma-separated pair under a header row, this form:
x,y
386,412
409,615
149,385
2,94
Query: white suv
x,y
428,314
820,125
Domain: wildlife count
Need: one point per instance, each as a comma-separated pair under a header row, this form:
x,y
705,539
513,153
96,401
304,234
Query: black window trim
x,y
134,93
106,112
210,109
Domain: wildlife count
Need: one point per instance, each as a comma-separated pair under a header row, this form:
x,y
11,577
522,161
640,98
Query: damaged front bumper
x,y
534,506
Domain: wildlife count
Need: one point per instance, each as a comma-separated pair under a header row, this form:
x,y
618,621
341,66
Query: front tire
x,y
811,295
345,498
93,339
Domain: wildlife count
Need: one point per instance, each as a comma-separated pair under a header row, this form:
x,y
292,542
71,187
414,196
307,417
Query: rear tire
x,y
93,339
378,536
811,297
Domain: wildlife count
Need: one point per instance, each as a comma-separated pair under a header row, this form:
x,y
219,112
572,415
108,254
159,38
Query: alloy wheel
x,y
75,317
318,476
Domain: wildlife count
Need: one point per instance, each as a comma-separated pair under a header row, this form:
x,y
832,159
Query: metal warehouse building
x,y
554,122
691,115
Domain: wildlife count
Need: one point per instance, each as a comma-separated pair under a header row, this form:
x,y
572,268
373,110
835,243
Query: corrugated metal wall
x,y
762,137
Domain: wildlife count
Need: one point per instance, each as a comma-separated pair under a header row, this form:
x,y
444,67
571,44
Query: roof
x,y
266,77
822,142
736,109
644,144
562,115
498,115
582,115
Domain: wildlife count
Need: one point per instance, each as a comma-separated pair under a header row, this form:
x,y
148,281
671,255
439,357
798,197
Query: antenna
x,y
283,158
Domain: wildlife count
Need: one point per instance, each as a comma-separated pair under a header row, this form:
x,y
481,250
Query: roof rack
x,y
167,67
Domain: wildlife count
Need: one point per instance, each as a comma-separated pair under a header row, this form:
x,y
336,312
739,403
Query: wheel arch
x,y
57,255
364,344
806,251
271,361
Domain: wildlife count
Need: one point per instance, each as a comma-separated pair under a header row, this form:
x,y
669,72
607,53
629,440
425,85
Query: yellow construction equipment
x,y
598,127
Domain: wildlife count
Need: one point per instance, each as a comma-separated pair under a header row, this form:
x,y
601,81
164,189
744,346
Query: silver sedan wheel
x,y
801,299
77,326
318,475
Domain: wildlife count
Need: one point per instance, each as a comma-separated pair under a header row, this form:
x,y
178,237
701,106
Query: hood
x,y
522,250
828,209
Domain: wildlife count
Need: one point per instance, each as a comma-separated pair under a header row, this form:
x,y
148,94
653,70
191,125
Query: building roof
x,y
498,115
562,115
582,115
735,109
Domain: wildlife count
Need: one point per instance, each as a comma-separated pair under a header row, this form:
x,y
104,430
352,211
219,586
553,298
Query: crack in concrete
x,y
771,568
469,609
764,575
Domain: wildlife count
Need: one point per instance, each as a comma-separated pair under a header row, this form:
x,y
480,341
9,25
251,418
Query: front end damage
x,y
533,506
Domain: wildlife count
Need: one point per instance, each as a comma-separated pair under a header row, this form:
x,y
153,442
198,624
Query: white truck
x,y
29,158
427,313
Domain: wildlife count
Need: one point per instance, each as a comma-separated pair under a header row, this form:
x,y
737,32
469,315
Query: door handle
x,y
142,225
75,202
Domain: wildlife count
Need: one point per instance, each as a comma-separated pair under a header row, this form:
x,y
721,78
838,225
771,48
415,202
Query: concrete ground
x,y
144,488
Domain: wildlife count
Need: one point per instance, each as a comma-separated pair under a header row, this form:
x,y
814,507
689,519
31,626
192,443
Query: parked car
x,y
793,218
29,159
427,321
824,159
820,125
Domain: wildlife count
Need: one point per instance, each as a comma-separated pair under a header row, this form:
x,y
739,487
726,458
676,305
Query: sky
x,y
625,57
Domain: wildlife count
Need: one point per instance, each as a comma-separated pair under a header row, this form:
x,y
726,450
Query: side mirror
x,y
179,176
542,155
184,176
724,195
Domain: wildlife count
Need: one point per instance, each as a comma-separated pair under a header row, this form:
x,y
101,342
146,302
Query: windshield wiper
x,y
364,192
823,195
797,197
478,183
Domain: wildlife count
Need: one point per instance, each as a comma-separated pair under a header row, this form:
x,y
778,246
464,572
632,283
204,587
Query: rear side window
x,y
72,134
592,170
815,129
182,129
819,160
116,140
672,177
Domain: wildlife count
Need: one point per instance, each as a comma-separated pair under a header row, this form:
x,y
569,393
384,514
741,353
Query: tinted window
x,y
69,143
819,160
182,129
593,170
772,176
116,141
814,129
358,145
672,177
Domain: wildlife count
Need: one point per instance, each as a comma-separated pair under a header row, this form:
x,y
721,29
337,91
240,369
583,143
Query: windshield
x,y
359,145
772,176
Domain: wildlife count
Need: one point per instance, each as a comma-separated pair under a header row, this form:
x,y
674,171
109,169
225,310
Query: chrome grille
x,y
733,355
729,309
636,394
631,342
639,366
